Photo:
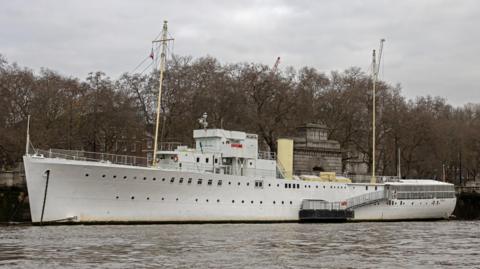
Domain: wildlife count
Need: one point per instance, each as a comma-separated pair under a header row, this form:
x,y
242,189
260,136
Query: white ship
x,y
223,179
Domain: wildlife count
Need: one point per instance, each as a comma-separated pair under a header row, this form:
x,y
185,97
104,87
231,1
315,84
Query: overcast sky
x,y
432,47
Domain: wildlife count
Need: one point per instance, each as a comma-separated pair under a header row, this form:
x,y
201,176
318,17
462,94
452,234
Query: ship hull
x,y
95,192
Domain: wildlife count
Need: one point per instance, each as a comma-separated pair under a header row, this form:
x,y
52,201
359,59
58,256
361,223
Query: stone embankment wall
x,y
14,205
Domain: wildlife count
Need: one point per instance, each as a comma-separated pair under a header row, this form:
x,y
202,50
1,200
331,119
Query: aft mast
x,y
375,69
163,40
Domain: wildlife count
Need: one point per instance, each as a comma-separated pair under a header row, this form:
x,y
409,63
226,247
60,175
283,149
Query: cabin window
x,y
286,185
206,160
199,181
209,182
198,159
189,181
258,183
219,183
216,160
294,186
180,180
172,180
375,187
366,188
229,183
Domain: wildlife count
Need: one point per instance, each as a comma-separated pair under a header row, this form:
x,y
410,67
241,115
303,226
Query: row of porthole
x,y
404,203
207,200
172,180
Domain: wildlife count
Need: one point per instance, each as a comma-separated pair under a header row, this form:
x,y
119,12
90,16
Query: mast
x,y
375,69
164,39
27,143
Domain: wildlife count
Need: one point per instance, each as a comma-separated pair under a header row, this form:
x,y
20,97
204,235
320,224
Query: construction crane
x,y
275,66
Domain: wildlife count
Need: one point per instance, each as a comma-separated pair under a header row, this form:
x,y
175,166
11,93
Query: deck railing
x,y
93,157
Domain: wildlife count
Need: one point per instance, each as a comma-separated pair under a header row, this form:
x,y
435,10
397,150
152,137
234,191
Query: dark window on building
x,y
286,185
133,197
144,178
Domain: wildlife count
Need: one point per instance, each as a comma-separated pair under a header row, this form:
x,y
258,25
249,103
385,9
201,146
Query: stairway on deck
x,y
320,210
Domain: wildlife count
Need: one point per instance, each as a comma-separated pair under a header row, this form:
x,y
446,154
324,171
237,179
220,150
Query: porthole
x,y
316,186
148,198
144,178
180,180
172,180
251,202
116,197
86,175
163,179
103,175
133,197
218,200
114,176
124,177
243,201
154,178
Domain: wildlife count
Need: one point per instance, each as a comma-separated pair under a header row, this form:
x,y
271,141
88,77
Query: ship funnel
x,y
285,157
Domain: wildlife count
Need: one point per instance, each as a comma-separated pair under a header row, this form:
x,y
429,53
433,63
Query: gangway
x,y
319,210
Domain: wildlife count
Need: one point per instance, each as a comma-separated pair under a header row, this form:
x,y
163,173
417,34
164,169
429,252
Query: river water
x,y
441,244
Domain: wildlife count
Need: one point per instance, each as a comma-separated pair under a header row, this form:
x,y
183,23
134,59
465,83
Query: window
x,y
233,201
144,178
206,160
248,183
86,175
114,176
209,182
366,188
218,200
148,198
216,160
219,183
198,159
154,179
375,187
163,179
199,181
189,181
286,185
180,180
258,183
172,180
243,201
116,197
133,197
229,183
124,177
238,184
